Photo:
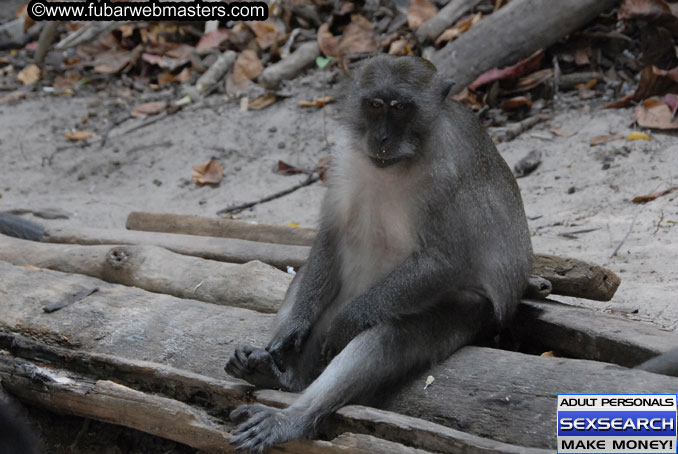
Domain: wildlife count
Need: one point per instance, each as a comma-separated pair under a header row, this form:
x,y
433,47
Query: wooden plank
x,y
589,334
222,249
219,227
253,285
505,396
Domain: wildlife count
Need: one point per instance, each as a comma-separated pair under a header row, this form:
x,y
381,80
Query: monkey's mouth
x,y
381,163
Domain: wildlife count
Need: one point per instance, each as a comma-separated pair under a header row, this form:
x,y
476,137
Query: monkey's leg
x,y
384,354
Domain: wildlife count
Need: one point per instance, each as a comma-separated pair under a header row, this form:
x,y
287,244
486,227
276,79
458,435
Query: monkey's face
x,y
386,129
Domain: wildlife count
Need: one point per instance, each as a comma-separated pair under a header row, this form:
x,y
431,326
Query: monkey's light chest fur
x,y
372,208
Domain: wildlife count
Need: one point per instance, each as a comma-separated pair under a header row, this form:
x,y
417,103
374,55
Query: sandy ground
x,y
577,187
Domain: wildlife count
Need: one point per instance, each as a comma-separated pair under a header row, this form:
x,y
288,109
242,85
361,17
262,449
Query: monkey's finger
x,y
257,444
247,425
243,354
239,412
241,438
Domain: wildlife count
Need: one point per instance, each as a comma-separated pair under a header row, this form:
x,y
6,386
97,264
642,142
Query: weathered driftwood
x,y
253,285
570,277
574,277
447,16
585,333
515,31
220,227
221,396
290,67
470,392
221,249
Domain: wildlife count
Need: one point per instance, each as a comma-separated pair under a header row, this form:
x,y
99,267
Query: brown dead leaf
x,y
210,172
399,47
599,140
587,85
420,11
113,61
317,102
654,195
212,39
247,67
524,66
458,30
149,108
517,102
262,101
29,75
634,9
468,98
22,12
653,82
322,167
562,132
358,37
77,136
655,114
327,42
267,33
165,78
288,169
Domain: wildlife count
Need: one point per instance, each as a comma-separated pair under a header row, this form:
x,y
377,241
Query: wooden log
x,y
220,227
585,333
253,285
221,249
110,402
290,67
500,395
572,277
221,396
515,31
446,17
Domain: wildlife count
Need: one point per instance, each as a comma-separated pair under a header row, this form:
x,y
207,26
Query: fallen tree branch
x,y
243,206
572,277
253,285
515,31
289,67
219,227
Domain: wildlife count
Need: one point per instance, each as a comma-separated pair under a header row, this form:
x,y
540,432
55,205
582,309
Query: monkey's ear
x,y
446,87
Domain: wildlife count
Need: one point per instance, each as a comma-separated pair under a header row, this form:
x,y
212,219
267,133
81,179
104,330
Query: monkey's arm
x,y
414,286
313,289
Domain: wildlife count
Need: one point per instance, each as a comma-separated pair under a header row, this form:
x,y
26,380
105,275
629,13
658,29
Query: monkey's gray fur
x,y
423,248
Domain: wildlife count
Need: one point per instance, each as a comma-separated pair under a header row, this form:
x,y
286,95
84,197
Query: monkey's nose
x,y
383,141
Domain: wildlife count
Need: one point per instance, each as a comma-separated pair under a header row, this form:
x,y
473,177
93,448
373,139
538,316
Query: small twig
x,y
113,125
627,235
661,218
576,232
243,206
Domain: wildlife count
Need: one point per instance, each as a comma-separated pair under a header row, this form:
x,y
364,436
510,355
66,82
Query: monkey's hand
x,y
290,336
344,328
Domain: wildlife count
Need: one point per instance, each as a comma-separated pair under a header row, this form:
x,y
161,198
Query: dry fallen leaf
x,y
14,96
458,30
399,47
262,101
288,169
112,62
76,136
149,108
210,172
29,75
267,33
317,102
562,132
524,66
599,140
655,114
247,67
420,11
167,78
327,42
517,102
654,195
358,37
212,39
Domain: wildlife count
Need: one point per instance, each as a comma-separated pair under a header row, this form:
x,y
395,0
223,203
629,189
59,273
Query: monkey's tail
x,y
18,227
665,364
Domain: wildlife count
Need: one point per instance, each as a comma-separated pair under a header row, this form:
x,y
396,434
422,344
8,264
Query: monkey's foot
x,y
256,366
266,426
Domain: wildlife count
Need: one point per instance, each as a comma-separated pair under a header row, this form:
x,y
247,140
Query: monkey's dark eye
x,y
376,103
400,106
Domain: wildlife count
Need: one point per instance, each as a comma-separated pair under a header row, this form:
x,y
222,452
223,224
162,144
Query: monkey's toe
x,y
265,426
237,365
